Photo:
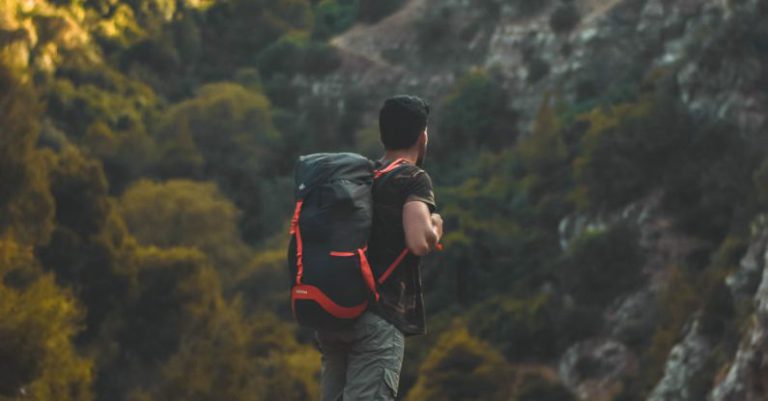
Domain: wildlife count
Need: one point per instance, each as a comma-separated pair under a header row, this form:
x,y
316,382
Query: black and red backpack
x,y
332,282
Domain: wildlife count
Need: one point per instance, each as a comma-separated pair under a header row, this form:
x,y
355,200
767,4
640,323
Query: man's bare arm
x,y
422,229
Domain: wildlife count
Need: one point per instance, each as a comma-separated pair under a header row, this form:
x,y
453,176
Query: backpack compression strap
x,y
404,253
365,268
393,266
295,230
313,293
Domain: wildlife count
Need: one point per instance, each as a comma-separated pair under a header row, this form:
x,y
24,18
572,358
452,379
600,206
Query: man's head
x,y
403,124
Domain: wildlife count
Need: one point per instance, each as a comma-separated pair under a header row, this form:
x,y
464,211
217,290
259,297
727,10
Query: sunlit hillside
x,y
601,166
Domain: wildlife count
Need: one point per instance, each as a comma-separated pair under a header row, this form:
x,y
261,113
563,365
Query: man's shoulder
x,y
412,171
416,185
402,172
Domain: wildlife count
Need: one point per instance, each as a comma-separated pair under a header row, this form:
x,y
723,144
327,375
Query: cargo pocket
x,y
392,379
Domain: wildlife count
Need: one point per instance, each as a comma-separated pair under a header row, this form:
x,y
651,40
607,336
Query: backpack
x,y
332,283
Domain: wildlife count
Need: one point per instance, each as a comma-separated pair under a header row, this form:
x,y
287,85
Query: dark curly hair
x,y
402,119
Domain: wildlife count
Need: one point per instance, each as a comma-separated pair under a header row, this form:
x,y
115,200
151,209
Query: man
x,y
363,363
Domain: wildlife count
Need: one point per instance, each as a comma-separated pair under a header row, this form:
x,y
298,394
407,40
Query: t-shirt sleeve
x,y
419,188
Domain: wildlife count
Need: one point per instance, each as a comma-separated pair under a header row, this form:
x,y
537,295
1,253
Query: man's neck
x,y
409,155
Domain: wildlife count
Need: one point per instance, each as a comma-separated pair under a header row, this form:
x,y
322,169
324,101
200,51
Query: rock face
x,y
747,378
621,41
726,78
744,282
614,44
685,364
633,318
594,369
637,213
716,54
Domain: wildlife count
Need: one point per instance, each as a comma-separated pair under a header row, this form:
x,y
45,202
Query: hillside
x,y
600,165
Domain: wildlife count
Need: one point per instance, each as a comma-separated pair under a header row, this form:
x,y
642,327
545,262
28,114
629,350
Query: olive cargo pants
x,y
361,363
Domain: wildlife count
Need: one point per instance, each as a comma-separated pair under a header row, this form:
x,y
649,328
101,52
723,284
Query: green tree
x,y
240,359
236,30
256,282
627,149
529,328
207,348
104,111
537,388
546,160
26,205
38,321
461,367
476,115
294,53
172,289
189,214
565,18
710,189
89,244
84,93
372,11
333,17
232,129
602,265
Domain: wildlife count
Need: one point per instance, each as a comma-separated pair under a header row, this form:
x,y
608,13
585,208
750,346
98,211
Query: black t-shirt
x,y
401,301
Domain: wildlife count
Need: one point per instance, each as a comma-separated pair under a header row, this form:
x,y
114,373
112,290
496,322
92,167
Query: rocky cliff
x,y
713,52
687,334
597,48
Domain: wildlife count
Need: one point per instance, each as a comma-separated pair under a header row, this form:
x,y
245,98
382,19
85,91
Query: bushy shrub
x,y
538,327
371,11
155,54
435,32
293,54
475,115
461,368
600,266
521,328
26,205
528,7
333,17
231,127
320,59
537,388
711,183
236,30
564,18
546,159
627,151
537,70
186,213
39,323
84,94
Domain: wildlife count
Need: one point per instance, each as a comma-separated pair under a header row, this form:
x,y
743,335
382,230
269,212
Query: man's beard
x,y
422,155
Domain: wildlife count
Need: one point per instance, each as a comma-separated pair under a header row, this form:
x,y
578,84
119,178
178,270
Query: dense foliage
x,y
145,184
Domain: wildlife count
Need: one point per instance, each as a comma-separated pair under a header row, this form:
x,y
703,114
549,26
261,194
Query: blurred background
x,y
600,164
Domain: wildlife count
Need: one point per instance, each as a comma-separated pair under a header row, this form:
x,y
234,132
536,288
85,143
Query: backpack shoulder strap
x,y
388,168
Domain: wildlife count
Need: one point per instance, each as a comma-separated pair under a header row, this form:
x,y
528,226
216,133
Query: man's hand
x,y
437,223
